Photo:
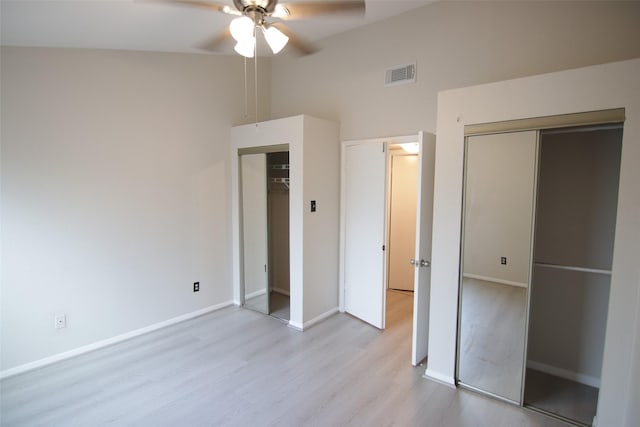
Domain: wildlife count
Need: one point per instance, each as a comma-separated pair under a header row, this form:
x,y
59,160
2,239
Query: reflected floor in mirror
x,y
559,396
236,367
492,337
257,301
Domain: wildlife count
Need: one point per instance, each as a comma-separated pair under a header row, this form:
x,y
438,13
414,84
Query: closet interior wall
x,y
573,252
278,221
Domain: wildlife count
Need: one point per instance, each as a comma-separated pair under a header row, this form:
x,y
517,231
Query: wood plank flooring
x,y
236,367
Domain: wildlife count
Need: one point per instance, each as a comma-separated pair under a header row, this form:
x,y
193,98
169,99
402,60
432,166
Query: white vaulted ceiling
x,y
151,26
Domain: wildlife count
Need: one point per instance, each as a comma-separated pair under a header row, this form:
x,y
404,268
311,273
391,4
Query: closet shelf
x,y
280,167
573,268
284,181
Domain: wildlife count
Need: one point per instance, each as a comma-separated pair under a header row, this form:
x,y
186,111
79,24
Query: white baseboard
x,y
495,280
564,373
306,325
295,325
439,378
109,341
281,291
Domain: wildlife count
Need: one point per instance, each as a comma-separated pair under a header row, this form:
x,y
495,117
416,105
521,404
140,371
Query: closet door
x,y
253,169
500,176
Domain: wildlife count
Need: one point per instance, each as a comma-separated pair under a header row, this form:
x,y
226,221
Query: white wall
x,y
115,192
454,44
588,89
321,228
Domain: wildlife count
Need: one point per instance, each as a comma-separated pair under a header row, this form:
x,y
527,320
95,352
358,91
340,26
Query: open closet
x,y
278,233
539,213
265,229
285,218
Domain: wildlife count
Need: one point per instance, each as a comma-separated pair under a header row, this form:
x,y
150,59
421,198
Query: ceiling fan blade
x,y
308,9
301,46
213,44
202,4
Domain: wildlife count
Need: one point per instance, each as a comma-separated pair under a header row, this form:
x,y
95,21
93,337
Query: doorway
x,y
401,216
264,188
365,231
402,184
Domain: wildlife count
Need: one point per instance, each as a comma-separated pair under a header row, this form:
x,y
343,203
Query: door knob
x,y
424,263
412,261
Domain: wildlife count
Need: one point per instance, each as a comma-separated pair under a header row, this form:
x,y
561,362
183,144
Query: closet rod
x,y
573,268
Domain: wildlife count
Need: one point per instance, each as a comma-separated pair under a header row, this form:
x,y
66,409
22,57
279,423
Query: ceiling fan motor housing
x,y
264,6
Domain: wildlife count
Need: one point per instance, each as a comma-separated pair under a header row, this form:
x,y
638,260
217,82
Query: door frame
x,y
236,215
391,153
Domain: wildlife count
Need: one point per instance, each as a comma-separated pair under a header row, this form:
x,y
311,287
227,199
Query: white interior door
x,y
424,224
364,211
403,197
254,230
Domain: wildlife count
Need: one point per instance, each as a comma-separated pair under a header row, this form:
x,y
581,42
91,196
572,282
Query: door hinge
x,y
383,247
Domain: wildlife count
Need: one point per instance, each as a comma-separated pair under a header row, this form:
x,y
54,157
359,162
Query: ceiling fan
x,y
254,15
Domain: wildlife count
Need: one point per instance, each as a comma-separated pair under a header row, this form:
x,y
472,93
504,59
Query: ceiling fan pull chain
x,y
255,72
246,91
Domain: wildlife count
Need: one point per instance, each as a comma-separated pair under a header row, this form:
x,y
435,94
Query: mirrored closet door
x,y
253,172
539,214
496,254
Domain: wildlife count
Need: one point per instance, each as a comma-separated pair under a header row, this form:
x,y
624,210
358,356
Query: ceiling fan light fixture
x,y
242,28
275,38
246,47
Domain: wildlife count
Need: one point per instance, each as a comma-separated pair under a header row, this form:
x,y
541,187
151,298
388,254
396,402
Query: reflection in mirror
x,y
496,253
253,175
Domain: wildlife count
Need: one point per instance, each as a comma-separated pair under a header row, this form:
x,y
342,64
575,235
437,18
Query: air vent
x,y
400,75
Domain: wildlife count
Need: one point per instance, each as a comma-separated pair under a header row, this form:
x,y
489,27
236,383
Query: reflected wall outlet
x,y
503,260
196,286
60,321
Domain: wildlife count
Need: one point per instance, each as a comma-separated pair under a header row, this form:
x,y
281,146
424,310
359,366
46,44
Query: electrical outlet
x,y
196,286
313,206
60,321
503,260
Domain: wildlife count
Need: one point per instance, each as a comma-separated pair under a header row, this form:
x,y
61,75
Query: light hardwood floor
x,y
236,367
